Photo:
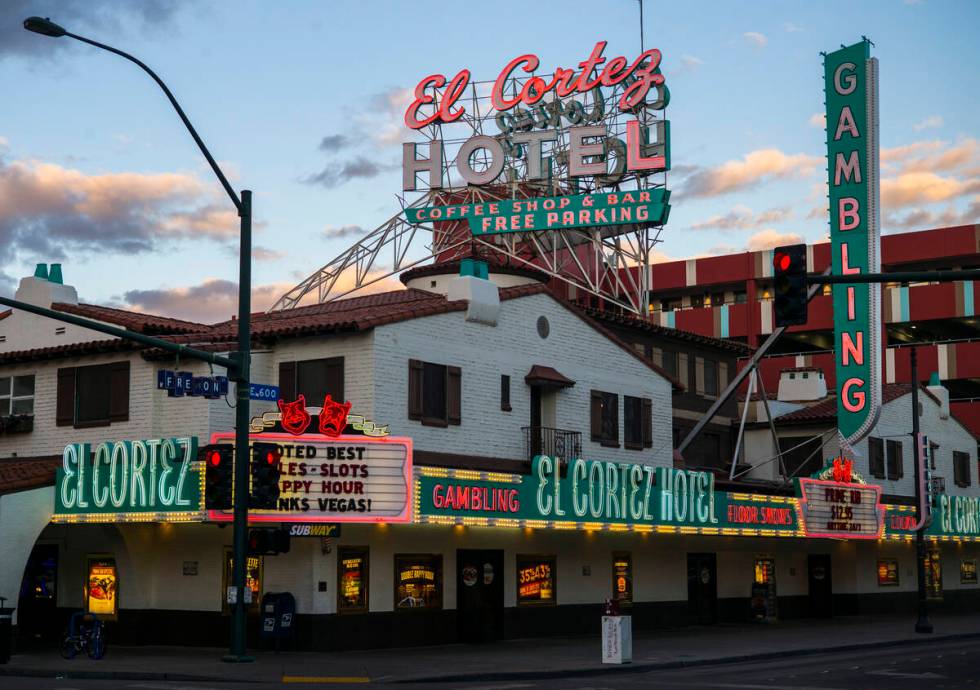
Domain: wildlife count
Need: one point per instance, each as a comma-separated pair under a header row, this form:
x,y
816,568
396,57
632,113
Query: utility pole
x,y
922,625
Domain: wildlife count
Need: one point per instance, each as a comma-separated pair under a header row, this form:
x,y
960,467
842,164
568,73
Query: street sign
x,y
260,391
183,383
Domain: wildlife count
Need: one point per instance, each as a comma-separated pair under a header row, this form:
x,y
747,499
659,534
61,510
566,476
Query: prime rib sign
x,y
840,509
344,478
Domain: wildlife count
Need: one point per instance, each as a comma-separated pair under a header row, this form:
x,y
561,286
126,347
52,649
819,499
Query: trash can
x,y
6,631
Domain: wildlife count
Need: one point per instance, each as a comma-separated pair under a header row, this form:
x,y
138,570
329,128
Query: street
x,y
926,666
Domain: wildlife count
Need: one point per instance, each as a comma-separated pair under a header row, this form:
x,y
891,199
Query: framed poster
x,y
968,572
887,572
102,587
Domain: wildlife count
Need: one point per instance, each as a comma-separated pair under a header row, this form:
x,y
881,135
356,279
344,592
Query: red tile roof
x,y
21,474
825,410
541,375
631,321
132,320
90,347
5,314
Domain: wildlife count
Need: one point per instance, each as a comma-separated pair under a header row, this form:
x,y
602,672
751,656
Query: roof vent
x,y
41,271
55,275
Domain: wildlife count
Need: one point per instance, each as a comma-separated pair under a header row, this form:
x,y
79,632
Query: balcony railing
x,y
556,443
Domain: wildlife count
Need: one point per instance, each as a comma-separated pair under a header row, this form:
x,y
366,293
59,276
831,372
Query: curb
x,y
15,672
667,665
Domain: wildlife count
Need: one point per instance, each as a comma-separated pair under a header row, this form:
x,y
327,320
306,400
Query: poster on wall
x,y
102,587
887,573
968,572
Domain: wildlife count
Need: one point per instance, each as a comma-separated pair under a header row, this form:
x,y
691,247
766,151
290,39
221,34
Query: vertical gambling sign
x,y
851,92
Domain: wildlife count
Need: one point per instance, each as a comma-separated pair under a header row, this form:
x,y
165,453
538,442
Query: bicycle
x,y
85,633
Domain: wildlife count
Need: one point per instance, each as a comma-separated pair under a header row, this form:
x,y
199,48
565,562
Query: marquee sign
x,y
335,479
851,94
839,509
130,481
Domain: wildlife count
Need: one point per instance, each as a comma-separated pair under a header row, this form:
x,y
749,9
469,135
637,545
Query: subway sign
x,y
129,481
851,94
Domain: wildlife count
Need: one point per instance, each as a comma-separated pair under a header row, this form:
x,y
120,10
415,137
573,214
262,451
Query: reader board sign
x,y
129,481
839,509
335,479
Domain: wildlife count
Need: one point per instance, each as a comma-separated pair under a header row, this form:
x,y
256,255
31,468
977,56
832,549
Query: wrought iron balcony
x,y
556,443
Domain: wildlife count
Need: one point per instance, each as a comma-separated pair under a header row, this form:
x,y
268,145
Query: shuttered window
x,y
896,462
961,468
637,422
876,457
93,396
604,418
314,379
505,393
435,395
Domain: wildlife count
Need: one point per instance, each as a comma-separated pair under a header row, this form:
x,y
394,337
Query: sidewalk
x,y
510,660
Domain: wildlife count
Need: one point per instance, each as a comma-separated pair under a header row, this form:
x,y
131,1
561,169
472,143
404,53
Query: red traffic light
x,y
272,457
214,458
781,261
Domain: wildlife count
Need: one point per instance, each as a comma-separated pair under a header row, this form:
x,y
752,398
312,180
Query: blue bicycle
x,y
85,633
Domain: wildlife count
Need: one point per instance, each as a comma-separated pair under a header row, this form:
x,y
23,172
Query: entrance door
x,y
702,588
37,605
479,595
821,586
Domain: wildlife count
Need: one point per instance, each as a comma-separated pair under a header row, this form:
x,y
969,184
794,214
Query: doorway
x,y
702,588
479,595
821,585
37,603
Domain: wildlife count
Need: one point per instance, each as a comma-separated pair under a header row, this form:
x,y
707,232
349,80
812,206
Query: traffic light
x,y
789,284
268,542
265,476
219,474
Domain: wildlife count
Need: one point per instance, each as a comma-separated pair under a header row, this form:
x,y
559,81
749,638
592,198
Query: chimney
x,y
45,287
474,286
801,384
941,393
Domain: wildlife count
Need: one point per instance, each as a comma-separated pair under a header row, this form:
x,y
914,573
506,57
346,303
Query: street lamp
x,y
239,369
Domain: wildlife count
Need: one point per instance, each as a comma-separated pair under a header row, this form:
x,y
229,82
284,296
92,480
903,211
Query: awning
x,y
547,377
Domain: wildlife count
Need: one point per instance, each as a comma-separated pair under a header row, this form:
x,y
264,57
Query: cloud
x,y
769,238
266,254
924,188
689,64
334,232
933,156
50,210
359,167
756,39
818,120
922,218
791,28
334,142
109,17
929,122
742,217
753,168
215,299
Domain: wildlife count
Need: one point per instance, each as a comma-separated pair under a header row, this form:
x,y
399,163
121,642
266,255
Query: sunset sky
x,y
302,103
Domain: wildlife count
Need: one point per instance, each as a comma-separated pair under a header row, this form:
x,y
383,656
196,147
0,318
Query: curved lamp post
x,y
239,371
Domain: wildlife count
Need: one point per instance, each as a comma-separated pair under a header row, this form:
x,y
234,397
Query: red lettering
x,y
437,499
444,112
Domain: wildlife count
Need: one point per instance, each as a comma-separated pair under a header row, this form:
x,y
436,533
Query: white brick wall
x,y
484,353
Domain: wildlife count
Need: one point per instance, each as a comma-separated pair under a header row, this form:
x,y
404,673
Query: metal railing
x,y
556,443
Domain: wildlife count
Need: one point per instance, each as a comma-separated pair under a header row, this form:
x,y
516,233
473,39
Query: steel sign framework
x,y
536,142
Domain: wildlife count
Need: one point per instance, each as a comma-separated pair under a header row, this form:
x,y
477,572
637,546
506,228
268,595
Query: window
x,y
741,297
961,468
605,418
801,456
710,377
622,572
895,460
434,393
505,393
94,395
352,579
876,457
536,581
968,572
670,362
717,299
253,582
697,301
418,581
887,573
638,422
16,395
314,379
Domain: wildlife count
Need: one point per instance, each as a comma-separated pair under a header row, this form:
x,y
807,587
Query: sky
x,y
302,103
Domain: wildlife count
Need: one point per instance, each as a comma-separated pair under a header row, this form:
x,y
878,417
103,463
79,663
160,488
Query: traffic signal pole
x,y
922,625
